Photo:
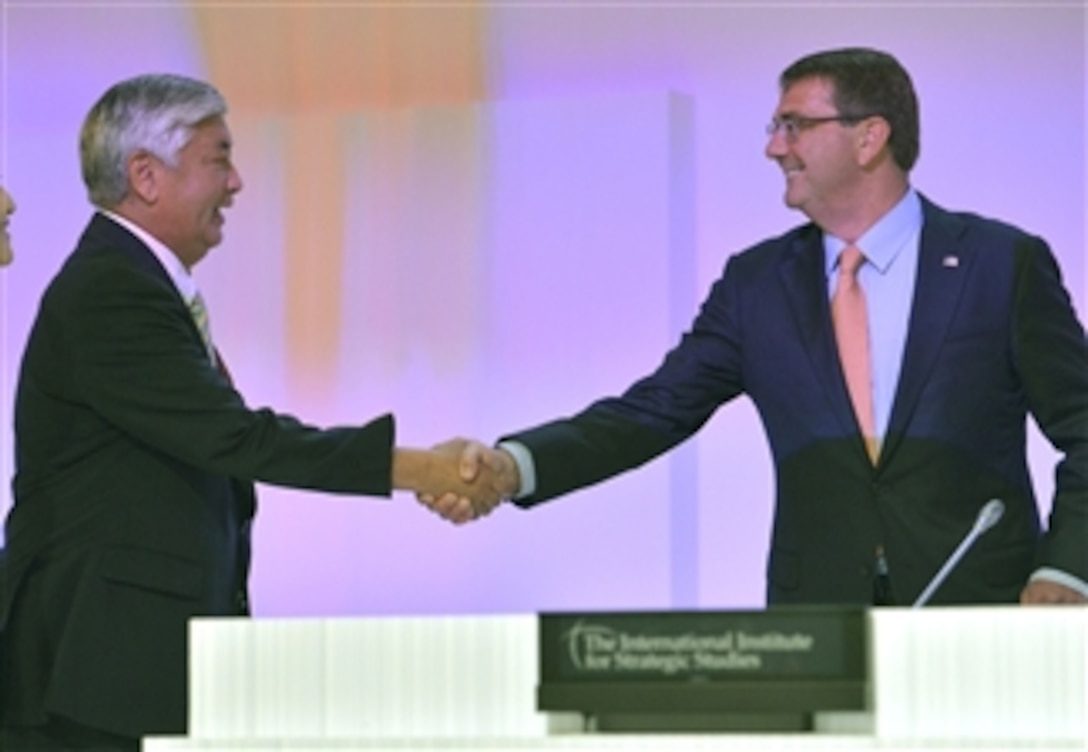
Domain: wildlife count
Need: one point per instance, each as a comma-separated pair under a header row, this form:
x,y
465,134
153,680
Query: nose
x,y
234,183
7,203
777,146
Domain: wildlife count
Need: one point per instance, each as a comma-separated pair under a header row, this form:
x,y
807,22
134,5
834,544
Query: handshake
x,y
460,480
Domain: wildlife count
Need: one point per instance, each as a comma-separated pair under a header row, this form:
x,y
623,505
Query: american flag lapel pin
x,y
950,262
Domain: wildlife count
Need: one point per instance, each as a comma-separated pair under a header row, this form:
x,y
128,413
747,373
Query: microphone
x,y
987,517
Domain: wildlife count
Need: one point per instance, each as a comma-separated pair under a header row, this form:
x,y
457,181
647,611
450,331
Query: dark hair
x,y
867,82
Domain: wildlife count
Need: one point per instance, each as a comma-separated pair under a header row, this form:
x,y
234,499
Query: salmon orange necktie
x,y
848,316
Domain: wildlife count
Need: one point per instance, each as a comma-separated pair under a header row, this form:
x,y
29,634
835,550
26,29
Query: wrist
x,y
410,467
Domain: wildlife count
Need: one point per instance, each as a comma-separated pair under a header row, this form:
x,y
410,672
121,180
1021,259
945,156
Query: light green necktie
x,y
200,316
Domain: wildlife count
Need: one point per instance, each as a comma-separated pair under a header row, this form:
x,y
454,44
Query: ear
x,y
144,176
873,135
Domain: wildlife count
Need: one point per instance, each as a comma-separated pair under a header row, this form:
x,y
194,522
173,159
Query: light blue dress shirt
x,y
887,277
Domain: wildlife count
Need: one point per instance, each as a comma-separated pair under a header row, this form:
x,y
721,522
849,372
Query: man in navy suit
x,y
970,330
135,455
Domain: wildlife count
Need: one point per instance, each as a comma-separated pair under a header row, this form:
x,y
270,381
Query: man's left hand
x,y
1045,592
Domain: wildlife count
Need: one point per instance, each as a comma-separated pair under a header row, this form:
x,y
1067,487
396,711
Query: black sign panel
x,y
780,660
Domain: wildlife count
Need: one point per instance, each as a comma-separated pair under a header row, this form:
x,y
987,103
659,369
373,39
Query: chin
x,y
792,197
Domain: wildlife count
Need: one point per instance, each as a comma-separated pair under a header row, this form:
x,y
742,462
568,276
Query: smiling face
x,y
823,167
7,208
186,200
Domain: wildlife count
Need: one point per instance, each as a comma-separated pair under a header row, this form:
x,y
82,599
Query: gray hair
x,y
153,113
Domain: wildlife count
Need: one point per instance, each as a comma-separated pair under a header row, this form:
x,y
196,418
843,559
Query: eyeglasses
x,y
792,125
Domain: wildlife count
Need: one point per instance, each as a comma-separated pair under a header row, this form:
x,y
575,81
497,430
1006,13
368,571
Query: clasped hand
x,y
486,477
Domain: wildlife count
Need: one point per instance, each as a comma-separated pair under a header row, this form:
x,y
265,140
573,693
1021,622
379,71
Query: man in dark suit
x,y
7,255
888,439
7,208
135,455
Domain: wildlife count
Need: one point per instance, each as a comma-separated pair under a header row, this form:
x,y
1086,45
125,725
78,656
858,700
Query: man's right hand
x,y
491,474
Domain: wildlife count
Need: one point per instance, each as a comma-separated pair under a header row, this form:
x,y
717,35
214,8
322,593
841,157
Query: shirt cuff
x,y
523,458
1061,578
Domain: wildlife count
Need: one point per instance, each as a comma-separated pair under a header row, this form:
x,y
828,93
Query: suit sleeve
x,y
136,362
656,413
1051,354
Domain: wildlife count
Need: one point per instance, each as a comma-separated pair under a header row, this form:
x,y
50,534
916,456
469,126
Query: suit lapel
x,y
944,263
103,235
804,279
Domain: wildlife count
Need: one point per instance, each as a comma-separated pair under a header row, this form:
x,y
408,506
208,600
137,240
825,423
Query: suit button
x,y
241,602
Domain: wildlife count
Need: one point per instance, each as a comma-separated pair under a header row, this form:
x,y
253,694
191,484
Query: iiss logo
x,y
585,642
595,647
598,648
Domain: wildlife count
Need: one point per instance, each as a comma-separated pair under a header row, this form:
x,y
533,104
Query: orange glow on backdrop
x,y
309,66
300,57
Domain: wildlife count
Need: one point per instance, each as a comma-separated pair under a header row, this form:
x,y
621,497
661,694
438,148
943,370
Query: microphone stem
x,y
952,561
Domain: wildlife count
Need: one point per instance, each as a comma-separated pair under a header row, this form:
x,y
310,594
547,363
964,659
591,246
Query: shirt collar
x,y
179,275
881,242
